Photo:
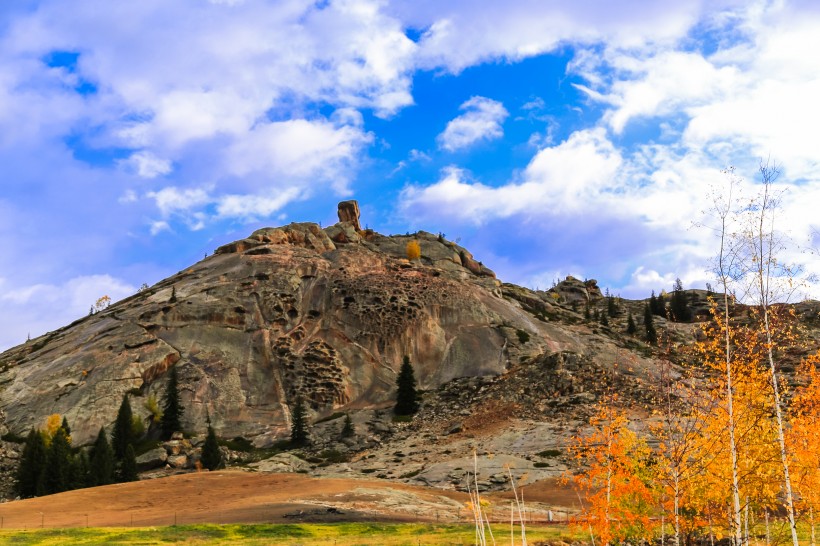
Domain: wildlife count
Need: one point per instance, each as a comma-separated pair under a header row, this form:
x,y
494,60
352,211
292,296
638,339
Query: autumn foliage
x,y
413,250
684,481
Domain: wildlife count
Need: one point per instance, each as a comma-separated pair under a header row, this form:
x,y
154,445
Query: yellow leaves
x,y
413,250
102,303
53,422
618,479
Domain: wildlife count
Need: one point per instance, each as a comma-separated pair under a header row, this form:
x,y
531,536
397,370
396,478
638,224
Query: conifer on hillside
x,y
101,462
631,329
57,477
172,409
348,430
299,426
122,435
211,455
30,472
406,396
128,468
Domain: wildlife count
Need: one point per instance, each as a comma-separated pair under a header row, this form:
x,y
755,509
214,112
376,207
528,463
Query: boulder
x,y
152,459
349,212
178,461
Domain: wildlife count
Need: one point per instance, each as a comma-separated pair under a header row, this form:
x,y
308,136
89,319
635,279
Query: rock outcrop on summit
x,y
325,314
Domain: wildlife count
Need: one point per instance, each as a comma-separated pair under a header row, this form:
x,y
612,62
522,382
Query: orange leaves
x,y
413,250
618,477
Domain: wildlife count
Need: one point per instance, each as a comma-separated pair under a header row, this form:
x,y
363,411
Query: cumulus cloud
x,y
146,165
463,33
36,309
299,150
571,176
481,121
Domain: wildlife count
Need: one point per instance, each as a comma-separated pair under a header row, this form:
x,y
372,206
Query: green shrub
x,y
548,453
541,464
523,336
153,407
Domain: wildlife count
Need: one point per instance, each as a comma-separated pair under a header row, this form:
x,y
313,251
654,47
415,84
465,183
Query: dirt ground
x,y
245,497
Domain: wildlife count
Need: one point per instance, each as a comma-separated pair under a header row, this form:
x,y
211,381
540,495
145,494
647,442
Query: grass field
x,y
342,534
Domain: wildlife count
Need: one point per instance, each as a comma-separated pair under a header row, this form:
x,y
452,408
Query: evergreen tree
x,y
597,315
80,471
679,307
348,430
406,397
128,468
122,436
172,408
653,303
211,455
587,313
649,324
604,320
299,425
32,466
65,427
57,477
630,325
611,305
661,311
101,461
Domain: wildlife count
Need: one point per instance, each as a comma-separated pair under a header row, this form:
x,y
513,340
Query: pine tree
x,y
80,471
211,455
661,311
611,305
631,329
348,430
679,307
128,468
648,322
653,303
101,461
587,313
122,435
57,477
65,427
172,409
406,397
604,320
32,466
299,425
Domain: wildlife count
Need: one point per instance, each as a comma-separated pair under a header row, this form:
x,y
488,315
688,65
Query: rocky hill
x,y
328,314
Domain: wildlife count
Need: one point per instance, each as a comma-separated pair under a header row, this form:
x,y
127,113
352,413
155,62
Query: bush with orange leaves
x,y
413,250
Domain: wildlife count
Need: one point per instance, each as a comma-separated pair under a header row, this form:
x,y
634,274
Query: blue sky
x,y
550,138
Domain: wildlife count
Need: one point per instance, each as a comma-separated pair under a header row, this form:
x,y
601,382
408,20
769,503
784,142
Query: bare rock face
x,y
572,290
289,311
349,213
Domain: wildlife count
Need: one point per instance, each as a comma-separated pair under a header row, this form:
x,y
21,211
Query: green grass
x,y
341,534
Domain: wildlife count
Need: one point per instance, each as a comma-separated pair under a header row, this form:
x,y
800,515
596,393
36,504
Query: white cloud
x,y
299,150
173,200
36,309
481,121
146,165
463,33
252,207
576,175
